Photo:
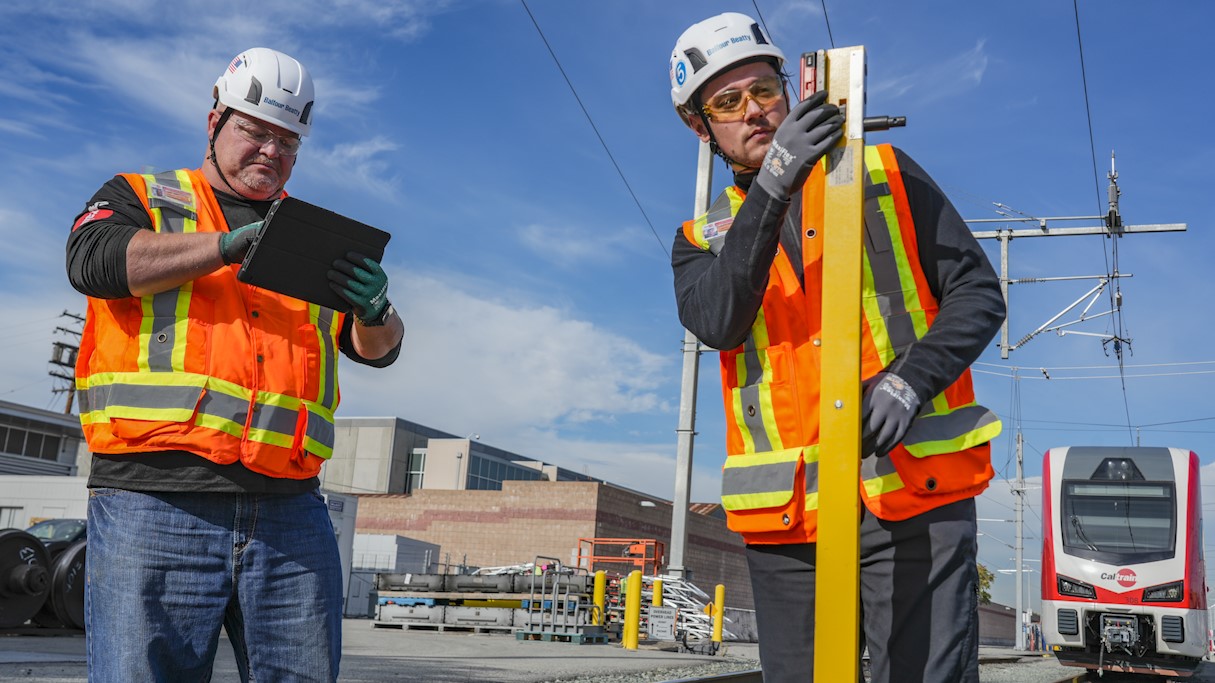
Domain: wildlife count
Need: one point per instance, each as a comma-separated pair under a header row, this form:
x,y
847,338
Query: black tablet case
x,y
296,248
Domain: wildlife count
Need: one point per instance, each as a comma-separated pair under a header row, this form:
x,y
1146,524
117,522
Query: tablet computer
x,y
297,245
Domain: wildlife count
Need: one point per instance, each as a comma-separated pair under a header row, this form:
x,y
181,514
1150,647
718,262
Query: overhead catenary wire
x,y
662,245
1115,292
828,22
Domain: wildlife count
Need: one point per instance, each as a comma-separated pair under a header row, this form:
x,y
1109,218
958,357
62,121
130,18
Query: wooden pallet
x,y
444,628
550,636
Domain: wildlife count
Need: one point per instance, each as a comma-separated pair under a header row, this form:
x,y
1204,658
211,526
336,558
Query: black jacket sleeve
x,y
718,296
97,245
963,281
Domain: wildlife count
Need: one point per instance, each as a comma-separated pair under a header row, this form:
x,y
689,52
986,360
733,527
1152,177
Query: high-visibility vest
x,y
770,383
214,367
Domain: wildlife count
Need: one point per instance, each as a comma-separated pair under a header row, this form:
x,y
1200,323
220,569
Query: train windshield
x,y
1119,521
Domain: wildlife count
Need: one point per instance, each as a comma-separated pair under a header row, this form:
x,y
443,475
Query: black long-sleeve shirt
x,y
719,295
97,267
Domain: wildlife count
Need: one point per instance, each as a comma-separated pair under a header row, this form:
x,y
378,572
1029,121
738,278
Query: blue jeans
x,y
166,570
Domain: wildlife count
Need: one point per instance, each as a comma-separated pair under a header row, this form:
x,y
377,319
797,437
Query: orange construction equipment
x,y
621,555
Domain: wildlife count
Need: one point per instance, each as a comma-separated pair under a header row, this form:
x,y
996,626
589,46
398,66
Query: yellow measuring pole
x,y
837,611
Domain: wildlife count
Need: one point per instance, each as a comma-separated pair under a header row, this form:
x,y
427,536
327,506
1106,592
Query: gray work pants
x,y
919,605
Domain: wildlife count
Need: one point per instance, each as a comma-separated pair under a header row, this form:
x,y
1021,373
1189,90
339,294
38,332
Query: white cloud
x,y
359,165
571,246
937,82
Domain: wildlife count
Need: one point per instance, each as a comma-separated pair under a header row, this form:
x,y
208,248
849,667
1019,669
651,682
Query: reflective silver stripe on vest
x,y
164,304
873,467
275,419
885,269
325,320
225,407
812,477
949,426
164,333
320,430
772,477
141,396
748,394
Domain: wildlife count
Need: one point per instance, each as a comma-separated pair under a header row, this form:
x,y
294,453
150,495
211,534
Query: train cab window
x,y
1119,521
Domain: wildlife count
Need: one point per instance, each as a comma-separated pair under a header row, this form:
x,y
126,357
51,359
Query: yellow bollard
x,y
600,601
719,610
658,592
632,612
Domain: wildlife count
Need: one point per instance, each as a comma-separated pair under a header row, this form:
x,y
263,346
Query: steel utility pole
x,y
687,397
1019,490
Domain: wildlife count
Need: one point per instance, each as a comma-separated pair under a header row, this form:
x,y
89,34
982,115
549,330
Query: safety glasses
x,y
261,137
731,105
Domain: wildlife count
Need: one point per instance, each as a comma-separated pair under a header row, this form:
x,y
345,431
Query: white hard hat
x,y
268,85
715,45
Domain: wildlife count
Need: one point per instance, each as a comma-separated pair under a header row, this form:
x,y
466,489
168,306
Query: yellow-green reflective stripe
x,y
811,500
958,430
885,484
212,403
873,313
326,329
891,301
759,430
760,480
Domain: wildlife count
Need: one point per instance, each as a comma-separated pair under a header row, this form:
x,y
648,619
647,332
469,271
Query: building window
x,y
11,518
417,468
32,444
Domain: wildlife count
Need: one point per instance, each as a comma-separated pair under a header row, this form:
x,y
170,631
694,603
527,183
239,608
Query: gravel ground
x,y
725,665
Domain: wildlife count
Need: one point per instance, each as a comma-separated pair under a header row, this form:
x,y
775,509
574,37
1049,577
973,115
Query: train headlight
x,y
1076,589
1167,592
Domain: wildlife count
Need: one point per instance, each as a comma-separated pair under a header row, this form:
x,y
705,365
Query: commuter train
x,y
1123,577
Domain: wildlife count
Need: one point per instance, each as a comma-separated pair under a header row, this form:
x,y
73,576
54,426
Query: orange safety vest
x,y
770,383
215,367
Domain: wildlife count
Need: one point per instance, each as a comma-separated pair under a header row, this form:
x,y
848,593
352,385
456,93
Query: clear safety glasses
x,y
287,146
731,105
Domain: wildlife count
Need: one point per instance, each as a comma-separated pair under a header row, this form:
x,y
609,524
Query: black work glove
x,y
363,284
887,409
810,129
234,244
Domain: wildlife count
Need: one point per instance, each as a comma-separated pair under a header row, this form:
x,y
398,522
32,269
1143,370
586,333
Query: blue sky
x,y
536,295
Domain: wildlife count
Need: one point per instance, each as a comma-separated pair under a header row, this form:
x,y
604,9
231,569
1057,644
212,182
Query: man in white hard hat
x,y
748,282
208,405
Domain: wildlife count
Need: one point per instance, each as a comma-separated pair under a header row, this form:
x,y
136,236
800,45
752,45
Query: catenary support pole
x,y
687,399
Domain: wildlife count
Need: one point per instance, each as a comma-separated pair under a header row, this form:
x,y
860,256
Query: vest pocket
x,y
763,492
944,473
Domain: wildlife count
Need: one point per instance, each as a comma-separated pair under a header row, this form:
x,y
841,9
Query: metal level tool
x,y
841,72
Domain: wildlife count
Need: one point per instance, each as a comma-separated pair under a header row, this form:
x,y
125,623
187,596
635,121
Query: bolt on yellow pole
x,y
837,610
719,611
657,593
632,611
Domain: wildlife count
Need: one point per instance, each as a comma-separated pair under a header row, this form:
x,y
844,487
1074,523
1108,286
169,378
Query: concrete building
x,y
392,455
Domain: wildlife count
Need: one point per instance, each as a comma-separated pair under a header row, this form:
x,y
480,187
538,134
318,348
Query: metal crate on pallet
x,y
479,616
409,614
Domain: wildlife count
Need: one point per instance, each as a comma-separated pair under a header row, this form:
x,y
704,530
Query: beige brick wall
x,y
526,519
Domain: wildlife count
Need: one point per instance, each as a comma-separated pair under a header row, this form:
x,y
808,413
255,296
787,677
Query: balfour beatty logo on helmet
x,y
285,107
681,73
736,39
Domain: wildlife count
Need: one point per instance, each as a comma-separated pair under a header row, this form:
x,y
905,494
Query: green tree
x,y
984,588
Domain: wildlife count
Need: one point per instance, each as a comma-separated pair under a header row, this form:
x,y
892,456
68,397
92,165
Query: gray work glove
x,y
810,129
887,409
233,245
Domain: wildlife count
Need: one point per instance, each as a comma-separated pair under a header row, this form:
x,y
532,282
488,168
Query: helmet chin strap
x,y
223,118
